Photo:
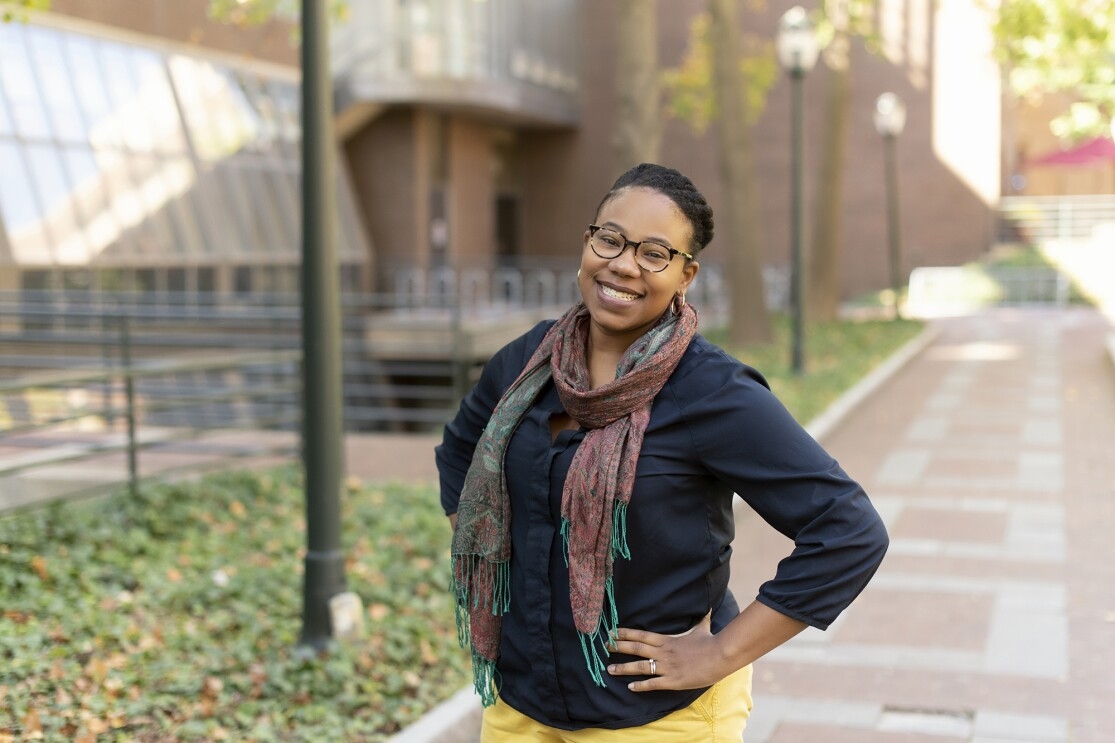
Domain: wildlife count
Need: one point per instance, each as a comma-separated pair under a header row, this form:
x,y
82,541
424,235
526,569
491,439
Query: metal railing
x,y
959,290
96,406
1040,219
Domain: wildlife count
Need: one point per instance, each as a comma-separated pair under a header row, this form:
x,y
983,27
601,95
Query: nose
x,y
624,263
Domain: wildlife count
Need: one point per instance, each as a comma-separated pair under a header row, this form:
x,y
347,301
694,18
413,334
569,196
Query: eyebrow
x,y
619,228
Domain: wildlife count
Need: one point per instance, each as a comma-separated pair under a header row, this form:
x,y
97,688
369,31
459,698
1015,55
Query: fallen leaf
x,y
96,669
378,611
32,726
85,737
19,617
96,726
429,657
211,687
173,575
236,508
412,679
38,564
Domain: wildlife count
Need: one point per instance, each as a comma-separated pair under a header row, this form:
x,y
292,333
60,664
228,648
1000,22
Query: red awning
x,y
1094,152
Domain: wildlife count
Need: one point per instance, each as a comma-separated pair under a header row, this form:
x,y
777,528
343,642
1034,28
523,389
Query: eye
x,y
656,252
610,238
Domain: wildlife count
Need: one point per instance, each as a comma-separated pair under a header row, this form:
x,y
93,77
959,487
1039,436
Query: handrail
x,y
148,369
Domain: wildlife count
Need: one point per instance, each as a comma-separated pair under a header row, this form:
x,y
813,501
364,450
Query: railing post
x,y
130,406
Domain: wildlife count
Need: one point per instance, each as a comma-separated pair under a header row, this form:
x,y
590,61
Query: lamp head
x,y
797,43
890,115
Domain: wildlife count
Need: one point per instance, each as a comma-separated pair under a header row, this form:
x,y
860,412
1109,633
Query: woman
x,y
589,478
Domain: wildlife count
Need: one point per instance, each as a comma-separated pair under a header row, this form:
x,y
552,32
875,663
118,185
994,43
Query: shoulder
x,y
511,358
707,367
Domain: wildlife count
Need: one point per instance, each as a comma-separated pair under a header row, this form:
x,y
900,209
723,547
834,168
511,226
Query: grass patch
x,y
174,615
837,355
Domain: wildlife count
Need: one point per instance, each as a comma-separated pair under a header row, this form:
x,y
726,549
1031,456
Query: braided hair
x,y
671,183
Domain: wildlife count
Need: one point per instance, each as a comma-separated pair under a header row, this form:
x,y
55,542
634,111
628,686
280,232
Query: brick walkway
x,y
992,458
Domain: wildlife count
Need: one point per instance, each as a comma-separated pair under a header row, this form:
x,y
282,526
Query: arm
x,y
744,437
699,658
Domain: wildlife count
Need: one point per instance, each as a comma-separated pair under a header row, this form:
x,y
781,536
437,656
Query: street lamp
x,y
797,53
890,119
323,579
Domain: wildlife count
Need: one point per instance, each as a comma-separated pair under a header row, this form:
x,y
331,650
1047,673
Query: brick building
x,y
472,134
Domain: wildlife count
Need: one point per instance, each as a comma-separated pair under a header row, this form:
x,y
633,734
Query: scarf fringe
x,y
486,680
472,575
619,534
619,531
595,646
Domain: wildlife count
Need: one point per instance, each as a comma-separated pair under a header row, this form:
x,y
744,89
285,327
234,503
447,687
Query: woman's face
x,y
623,300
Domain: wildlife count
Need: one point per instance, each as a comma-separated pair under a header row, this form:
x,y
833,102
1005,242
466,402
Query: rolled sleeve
x,y
747,439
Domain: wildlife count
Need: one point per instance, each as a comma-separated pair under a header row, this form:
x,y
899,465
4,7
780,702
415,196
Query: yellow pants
x,y
717,716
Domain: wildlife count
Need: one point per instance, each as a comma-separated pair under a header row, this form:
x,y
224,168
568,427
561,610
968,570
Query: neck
x,y
604,352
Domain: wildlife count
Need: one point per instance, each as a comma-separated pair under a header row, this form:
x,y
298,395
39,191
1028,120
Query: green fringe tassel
x,y
619,531
595,645
496,574
565,541
485,676
485,680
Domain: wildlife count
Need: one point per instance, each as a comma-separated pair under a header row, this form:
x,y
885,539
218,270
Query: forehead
x,y
644,213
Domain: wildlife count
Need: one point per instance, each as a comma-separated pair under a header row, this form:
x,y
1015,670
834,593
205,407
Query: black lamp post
x,y
324,576
797,53
890,120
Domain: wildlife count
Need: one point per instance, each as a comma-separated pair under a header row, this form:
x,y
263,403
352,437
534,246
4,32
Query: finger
x,y
631,648
653,639
634,668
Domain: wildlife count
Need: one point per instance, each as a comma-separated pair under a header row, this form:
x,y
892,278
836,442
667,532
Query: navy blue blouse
x,y
715,430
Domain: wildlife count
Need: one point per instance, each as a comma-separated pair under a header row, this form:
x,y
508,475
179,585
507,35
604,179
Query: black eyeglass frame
x,y
594,228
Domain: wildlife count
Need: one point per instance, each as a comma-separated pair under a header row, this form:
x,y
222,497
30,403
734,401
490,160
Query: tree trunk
x,y
638,111
748,320
824,260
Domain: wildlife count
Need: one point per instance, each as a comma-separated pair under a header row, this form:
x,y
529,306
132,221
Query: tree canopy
x,y
1062,46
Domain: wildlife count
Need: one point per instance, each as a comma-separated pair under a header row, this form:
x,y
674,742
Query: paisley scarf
x,y
595,496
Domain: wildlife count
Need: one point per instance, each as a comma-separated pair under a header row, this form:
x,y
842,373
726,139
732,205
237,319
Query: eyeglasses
x,y
649,255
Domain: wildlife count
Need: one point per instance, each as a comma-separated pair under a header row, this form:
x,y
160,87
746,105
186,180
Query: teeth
x,y
618,294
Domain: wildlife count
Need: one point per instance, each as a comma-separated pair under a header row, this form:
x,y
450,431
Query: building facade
x,y
146,146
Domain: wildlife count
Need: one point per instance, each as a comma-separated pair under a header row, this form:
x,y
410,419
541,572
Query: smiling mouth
x,y
616,294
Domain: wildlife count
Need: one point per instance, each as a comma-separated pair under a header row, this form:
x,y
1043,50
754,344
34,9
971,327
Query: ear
x,y
688,274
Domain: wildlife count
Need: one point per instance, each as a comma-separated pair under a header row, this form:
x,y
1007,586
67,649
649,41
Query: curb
x,y
825,423
457,720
